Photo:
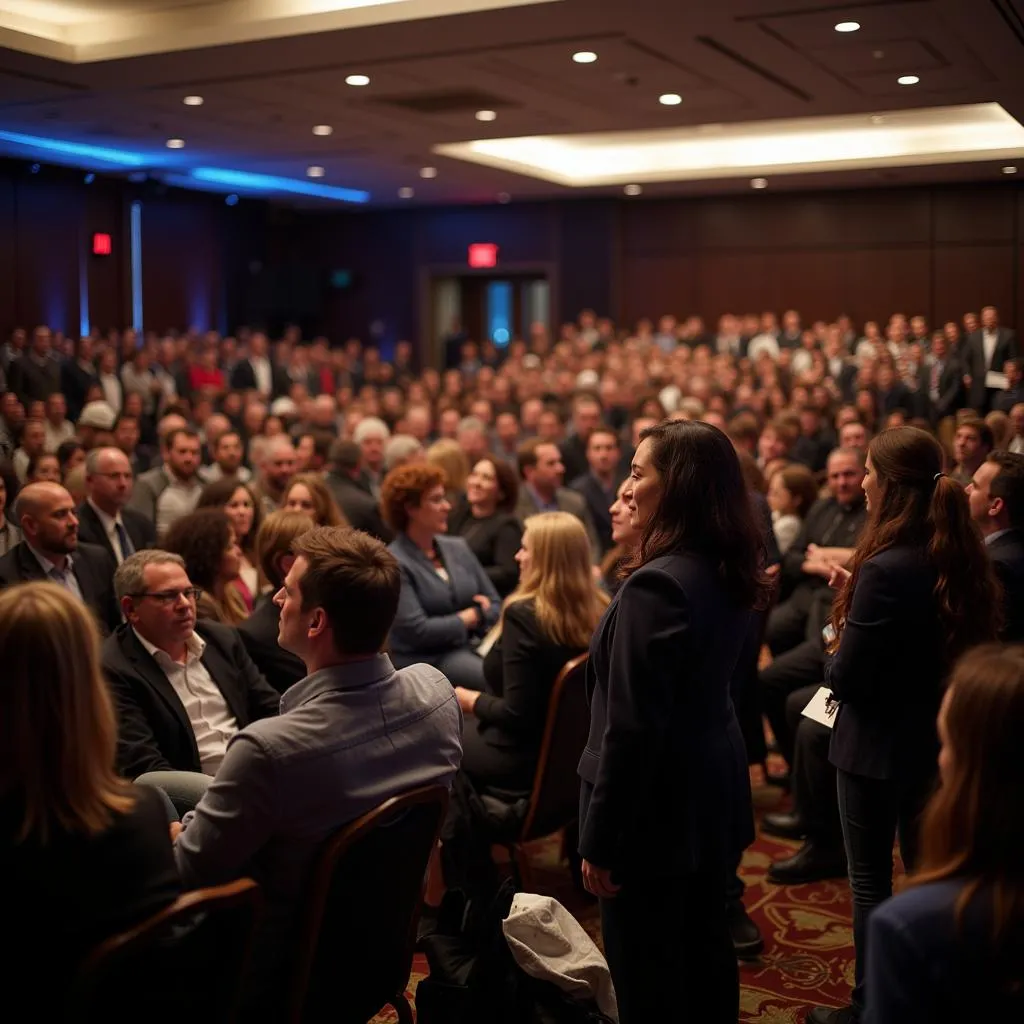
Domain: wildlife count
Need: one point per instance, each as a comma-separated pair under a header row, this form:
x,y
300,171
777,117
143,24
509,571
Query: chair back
x,y
555,800
200,944
362,910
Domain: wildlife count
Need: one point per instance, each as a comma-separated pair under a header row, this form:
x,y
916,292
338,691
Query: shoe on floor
x,y
784,824
746,936
811,863
832,1015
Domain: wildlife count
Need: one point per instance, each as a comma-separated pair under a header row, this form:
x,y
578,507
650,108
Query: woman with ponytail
x,y
919,592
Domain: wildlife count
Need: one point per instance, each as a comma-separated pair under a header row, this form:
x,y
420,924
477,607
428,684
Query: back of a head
x,y
356,580
201,538
449,456
1009,486
344,456
399,450
276,539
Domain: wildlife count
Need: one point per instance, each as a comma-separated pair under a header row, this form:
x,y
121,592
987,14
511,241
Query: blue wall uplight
x,y
272,183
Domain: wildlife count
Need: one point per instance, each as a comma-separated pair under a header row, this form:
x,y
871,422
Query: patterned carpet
x,y
808,957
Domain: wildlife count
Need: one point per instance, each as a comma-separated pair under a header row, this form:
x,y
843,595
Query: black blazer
x,y
243,378
952,392
574,456
1007,554
598,504
976,367
494,540
154,731
94,570
258,633
889,670
665,767
141,531
75,381
359,506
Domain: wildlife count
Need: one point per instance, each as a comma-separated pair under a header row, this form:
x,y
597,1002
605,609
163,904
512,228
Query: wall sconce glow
x,y
758,182
908,80
175,143
323,130
193,101
406,193
249,182
357,80
584,57
848,26
136,254
670,99
80,150
486,115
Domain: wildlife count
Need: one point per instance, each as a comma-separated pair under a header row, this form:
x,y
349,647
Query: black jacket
x,y
598,503
93,568
154,731
243,378
1007,554
889,670
259,635
494,540
828,524
976,368
952,392
141,531
359,505
665,767
75,381
574,456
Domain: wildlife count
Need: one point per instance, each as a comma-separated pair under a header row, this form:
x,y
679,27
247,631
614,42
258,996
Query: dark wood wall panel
x,y
109,279
8,253
970,276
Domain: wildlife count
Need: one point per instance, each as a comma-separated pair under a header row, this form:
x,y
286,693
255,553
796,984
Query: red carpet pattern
x,y
808,934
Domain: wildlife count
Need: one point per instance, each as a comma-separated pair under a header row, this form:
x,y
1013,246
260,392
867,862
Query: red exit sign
x,y
101,244
483,254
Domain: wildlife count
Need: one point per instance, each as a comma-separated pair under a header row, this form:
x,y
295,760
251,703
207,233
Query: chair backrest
x,y
362,909
200,944
555,799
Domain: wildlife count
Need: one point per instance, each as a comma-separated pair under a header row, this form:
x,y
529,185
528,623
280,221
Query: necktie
x,y
123,540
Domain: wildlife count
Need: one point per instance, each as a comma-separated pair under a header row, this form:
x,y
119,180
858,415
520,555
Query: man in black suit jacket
x,y
102,517
987,352
344,479
940,383
586,417
598,486
181,691
258,373
51,550
996,494
1014,393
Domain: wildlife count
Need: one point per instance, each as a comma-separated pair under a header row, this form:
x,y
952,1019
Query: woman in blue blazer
x,y
920,591
447,601
665,797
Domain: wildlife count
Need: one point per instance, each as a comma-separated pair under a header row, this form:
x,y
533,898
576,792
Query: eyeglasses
x,y
169,597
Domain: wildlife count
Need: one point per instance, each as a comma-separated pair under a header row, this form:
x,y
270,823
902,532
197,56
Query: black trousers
x,y
667,935
814,778
871,811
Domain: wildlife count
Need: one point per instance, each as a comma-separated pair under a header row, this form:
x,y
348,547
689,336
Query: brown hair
x,y
58,732
508,483
922,507
1009,485
406,486
277,537
973,827
451,459
356,580
325,508
220,492
799,481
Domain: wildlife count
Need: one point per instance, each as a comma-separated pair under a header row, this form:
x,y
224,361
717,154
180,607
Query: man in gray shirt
x,y
352,733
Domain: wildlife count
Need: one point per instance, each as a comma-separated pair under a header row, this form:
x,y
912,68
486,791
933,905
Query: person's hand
x,y
838,578
817,567
467,699
471,617
598,881
483,601
175,830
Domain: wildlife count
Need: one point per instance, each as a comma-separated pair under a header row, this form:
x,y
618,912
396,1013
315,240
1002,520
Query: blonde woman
x,y
548,619
85,854
307,493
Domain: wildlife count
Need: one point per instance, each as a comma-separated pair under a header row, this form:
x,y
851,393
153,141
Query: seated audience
x,y
70,455
276,467
50,549
972,444
86,855
598,484
548,619
278,533
165,494
371,434
103,517
227,453
352,733
791,494
182,689
238,502
33,445
950,948
43,468
400,450
10,535
308,493
447,602
344,479
486,520
206,541
447,454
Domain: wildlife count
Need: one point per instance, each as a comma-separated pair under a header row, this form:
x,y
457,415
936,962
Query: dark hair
x,y
344,455
356,580
606,431
219,493
406,486
65,451
526,453
1009,485
33,465
173,435
201,538
508,483
704,507
799,481
231,432
277,536
922,507
982,429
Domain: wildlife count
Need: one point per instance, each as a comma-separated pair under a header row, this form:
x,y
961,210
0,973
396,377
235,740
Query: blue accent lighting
x,y
136,247
231,200
82,150
83,289
272,183
89,179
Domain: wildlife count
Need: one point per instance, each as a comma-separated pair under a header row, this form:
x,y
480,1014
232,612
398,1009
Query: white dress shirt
x,y
989,340
56,436
212,721
264,375
113,392
110,528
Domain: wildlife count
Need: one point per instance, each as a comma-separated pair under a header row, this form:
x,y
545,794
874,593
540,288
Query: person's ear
x,y
996,506
127,609
318,623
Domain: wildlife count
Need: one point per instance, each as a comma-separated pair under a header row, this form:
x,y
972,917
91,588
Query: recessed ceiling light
x,y
315,171
357,80
175,143
193,101
878,119
848,26
670,99
908,80
504,197
1009,169
758,182
406,193
633,190
322,129
486,115
428,172
584,57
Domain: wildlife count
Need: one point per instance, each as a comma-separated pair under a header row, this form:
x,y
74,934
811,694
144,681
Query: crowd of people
x,y
232,570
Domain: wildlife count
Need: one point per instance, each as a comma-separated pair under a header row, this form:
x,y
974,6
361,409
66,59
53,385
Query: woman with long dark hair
x,y
918,593
951,948
665,797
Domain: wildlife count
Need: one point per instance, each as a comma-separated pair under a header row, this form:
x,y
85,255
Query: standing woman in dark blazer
x,y
919,591
665,798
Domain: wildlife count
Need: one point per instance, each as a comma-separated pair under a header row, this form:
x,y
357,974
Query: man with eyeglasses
x,y
182,690
102,517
